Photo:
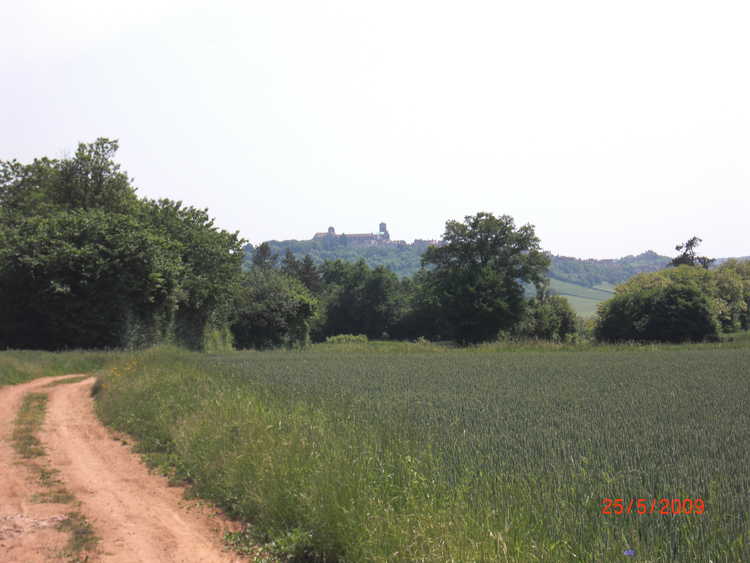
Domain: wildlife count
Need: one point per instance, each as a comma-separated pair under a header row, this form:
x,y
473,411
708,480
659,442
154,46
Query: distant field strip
x,y
456,455
582,306
584,300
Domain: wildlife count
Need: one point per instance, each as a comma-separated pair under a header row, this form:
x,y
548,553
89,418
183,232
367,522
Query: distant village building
x,y
381,238
357,239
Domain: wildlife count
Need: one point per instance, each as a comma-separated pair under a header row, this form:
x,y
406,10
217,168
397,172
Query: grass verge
x,y
19,366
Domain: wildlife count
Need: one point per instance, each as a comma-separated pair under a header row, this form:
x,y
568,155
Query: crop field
x,y
407,452
584,300
583,306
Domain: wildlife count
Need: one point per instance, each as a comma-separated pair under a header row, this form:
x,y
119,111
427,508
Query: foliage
x,y
85,263
592,272
687,256
476,280
680,303
675,305
368,453
733,284
272,309
85,278
304,270
405,260
548,317
210,261
89,180
352,297
347,339
360,300
263,257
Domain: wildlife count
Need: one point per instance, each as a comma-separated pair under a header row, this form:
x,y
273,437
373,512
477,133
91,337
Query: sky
x,y
612,127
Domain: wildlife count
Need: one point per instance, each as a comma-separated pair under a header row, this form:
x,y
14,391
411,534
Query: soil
x,y
135,513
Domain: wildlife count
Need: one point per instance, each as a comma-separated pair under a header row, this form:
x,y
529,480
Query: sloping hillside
x,y
592,272
584,300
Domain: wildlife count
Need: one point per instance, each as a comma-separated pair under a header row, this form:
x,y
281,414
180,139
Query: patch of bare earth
x,y
136,515
27,529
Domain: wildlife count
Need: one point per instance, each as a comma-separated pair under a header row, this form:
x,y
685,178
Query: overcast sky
x,y
613,127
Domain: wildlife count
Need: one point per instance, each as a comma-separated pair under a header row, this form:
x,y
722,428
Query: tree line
x,y
406,260
87,263
470,290
688,301
403,260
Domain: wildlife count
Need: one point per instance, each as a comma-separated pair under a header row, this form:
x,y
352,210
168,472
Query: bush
x,y
347,339
85,263
548,318
273,309
670,307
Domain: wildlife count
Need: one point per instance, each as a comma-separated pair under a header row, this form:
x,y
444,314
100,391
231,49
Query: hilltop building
x,y
381,238
357,239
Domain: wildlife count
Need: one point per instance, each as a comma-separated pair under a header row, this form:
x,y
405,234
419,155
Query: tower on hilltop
x,y
384,232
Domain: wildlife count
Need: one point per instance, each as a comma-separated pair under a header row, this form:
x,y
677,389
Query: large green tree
x,y
88,180
211,261
475,279
86,278
84,262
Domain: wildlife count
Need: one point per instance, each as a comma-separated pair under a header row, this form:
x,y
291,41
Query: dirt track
x,y
136,515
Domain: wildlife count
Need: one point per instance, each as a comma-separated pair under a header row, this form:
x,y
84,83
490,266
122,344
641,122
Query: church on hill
x,y
357,239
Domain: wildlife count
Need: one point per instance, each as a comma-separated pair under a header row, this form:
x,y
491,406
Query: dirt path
x,y
136,515
27,529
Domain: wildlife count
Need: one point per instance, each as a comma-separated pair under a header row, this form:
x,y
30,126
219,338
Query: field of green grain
x,y
584,300
405,452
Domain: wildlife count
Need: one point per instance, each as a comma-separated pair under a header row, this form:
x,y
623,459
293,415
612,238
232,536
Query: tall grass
x,y
422,453
18,366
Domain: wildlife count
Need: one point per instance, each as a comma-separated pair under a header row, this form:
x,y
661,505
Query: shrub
x,y
347,339
273,309
548,318
669,307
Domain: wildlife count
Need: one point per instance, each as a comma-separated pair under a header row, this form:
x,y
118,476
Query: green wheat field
x,y
416,452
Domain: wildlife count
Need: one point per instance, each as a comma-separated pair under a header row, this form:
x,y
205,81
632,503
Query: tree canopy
x,y
684,303
272,309
655,307
475,279
688,256
87,263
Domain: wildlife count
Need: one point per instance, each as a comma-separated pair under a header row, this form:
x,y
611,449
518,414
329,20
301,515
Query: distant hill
x,y
592,272
405,260
720,261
